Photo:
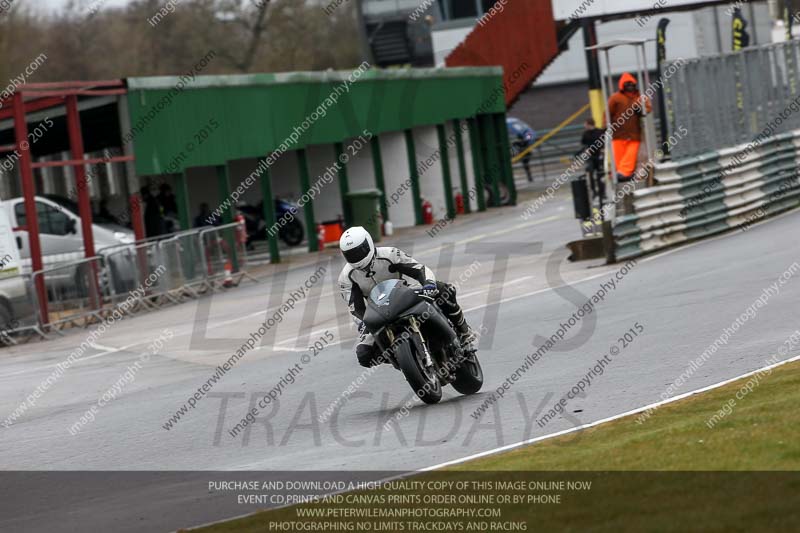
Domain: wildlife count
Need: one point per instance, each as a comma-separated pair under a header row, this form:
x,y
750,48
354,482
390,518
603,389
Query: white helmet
x,y
357,247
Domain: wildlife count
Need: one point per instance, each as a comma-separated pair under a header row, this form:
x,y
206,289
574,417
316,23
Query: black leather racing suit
x,y
391,263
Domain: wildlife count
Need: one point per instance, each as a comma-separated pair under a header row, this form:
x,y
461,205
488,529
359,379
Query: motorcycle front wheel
x,y
423,380
469,376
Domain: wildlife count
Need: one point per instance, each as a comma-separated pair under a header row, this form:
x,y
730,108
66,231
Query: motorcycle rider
x,y
368,266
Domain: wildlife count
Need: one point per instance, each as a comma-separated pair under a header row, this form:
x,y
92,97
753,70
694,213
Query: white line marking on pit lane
x,y
504,300
504,285
604,420
491,234
105,350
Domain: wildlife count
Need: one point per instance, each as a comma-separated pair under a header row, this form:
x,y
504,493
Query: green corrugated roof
x,y
182,122
267,79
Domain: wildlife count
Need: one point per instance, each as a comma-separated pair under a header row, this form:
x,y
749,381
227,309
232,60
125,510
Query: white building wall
x,y
445,40
202,185
328,201
429,165
397,178
690,34
452,153
360,170
238,171
566,9
286,177
468,159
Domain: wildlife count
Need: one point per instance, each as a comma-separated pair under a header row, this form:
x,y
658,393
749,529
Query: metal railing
x,y
550,158
730,99
128,278
19,309
702,196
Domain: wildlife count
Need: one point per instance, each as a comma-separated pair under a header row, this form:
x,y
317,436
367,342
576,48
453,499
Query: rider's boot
x,y
465,334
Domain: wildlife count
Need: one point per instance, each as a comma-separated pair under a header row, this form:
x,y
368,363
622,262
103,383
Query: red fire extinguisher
x,y
459,204
320,237
427,212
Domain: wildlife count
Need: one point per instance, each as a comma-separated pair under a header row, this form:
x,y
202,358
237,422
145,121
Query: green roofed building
x,y
417,135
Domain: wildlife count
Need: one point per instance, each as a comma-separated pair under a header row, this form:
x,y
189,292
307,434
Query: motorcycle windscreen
x,y
386,302
381,294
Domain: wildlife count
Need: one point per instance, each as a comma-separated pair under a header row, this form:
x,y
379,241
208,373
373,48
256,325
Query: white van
x,y
60,232
61,239
14,299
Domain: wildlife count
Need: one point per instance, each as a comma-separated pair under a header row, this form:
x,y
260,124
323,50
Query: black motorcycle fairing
x,y
433,323
377,316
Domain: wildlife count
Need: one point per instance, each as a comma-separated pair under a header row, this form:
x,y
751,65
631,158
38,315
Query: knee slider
x,y
366,355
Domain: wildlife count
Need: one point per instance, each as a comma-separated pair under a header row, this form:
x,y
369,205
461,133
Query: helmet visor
x,y
354,255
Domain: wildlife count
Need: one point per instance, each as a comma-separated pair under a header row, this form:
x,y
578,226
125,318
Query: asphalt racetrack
x,y
517,286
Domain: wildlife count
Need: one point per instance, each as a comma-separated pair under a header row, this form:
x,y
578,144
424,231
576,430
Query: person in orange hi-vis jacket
x,y
626,112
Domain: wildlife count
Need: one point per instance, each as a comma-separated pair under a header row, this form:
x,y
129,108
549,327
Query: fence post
x,y
223,185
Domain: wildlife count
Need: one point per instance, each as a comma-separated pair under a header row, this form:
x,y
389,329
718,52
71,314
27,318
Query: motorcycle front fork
x,y
428,360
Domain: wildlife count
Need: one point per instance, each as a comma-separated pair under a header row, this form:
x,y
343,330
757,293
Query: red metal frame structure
x,y
36,97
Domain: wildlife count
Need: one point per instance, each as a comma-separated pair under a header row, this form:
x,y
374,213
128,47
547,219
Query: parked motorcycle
x,y
291,231
520,137
418,340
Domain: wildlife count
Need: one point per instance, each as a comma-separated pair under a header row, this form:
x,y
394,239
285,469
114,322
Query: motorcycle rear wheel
x,y
292,234
504,199
424,382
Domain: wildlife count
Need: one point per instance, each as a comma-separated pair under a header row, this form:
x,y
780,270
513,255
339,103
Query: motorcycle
x,y
291,232
521,136
416,337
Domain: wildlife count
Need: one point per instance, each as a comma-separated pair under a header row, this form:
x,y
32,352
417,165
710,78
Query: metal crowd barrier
x,y
713,193
726,100
127,278
20,310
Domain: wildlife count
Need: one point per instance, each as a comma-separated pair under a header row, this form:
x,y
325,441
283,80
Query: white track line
x,y
604,420
584,426
522,443
649,258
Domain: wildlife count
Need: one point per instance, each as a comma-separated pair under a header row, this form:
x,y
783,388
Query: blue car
x,y
519,132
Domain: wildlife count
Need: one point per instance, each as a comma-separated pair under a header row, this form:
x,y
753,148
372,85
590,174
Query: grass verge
x,y
680,470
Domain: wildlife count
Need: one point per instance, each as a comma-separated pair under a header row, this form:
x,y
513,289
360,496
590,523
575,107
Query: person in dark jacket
x,y
169,208
593,144
203,215
153,217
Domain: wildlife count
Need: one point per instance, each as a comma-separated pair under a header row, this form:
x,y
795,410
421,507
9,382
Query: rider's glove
x,y
429,289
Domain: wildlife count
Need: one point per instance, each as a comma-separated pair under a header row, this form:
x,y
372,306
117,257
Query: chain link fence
x,y
727,100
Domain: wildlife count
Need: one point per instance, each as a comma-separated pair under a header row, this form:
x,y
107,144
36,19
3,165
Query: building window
x,y
460,9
